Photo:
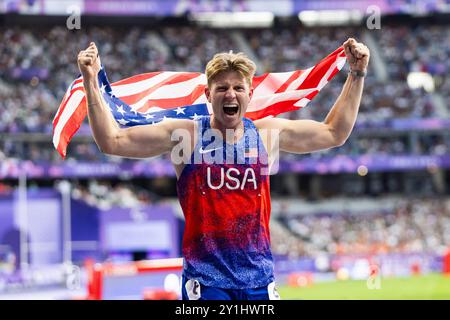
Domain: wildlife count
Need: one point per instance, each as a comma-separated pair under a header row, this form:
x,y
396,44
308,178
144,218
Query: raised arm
x,y
135,142
304,136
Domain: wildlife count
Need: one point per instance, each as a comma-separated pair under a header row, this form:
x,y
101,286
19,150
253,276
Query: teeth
x,y
230,108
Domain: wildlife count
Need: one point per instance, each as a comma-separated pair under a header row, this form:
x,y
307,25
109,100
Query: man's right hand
x,y
89,62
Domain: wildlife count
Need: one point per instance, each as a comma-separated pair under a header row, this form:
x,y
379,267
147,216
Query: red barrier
x,y
97,271
300,279
446,268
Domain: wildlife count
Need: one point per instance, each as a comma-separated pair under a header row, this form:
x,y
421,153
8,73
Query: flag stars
x,y
179,110
102,88
120,109
122,121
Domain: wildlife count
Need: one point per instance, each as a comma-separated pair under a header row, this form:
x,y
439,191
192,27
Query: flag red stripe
x,y
170,103
277,108
63,106
71,127
312,80
137,78
272,110
65,99
176,78
292,78
257,80
319,71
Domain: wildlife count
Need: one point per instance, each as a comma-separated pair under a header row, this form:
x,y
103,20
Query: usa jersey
x,y
226,204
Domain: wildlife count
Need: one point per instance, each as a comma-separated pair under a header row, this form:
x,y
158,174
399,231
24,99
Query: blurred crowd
x,y
37,65
423,48
302,48
415,225
105,195
420,144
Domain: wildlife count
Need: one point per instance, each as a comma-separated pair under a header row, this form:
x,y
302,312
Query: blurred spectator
x,y
36,66
104,194
421,225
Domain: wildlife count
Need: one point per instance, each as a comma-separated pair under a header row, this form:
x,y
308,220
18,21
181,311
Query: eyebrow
x,y
241,84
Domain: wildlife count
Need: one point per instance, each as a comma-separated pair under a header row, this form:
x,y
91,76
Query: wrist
x,y
358,73
93,104
90,83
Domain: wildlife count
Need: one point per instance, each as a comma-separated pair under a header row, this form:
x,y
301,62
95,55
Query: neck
x,y
238,130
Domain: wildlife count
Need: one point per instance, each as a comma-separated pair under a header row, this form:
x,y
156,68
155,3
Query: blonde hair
x,y
229,61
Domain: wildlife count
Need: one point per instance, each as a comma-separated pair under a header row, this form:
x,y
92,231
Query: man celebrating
x,y
226,202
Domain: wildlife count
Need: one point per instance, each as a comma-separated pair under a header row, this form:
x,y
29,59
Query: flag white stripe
x,y
259,103
70,108
201,99
66,96
302,102
153,109
129,89
78,85
324,80
297,82
263,97
271,83
341,62
181,89
262,102
209,106
173,91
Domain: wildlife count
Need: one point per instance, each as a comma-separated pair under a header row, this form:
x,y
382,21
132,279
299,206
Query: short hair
x,y
229,61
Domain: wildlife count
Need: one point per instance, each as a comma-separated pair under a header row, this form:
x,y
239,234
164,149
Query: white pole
x,y
23,218
67,234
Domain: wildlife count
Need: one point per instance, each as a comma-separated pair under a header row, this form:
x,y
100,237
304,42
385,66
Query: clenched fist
x,y
89,62
357,55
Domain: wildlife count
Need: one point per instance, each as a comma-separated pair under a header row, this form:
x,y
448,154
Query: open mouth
x,y
230,109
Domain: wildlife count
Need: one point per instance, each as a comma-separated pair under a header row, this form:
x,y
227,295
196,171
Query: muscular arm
x,y
135,142
103,126
303,136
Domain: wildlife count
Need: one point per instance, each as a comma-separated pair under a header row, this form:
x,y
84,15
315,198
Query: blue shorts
x,y
193,290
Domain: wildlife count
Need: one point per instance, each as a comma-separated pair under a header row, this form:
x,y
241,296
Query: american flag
x,y
152,97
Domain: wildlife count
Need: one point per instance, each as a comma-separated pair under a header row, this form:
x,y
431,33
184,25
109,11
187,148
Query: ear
x,y
250,94
208,94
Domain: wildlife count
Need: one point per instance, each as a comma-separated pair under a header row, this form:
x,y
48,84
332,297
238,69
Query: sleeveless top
x,y
225,196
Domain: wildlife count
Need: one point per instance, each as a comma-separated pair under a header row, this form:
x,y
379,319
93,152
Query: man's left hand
x,y
357,55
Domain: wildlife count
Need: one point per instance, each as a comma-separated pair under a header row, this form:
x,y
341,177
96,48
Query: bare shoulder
x,y
266,123
174,124
270,123
185,123
161,131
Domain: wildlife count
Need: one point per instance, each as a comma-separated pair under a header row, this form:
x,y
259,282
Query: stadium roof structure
x,y
186,7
